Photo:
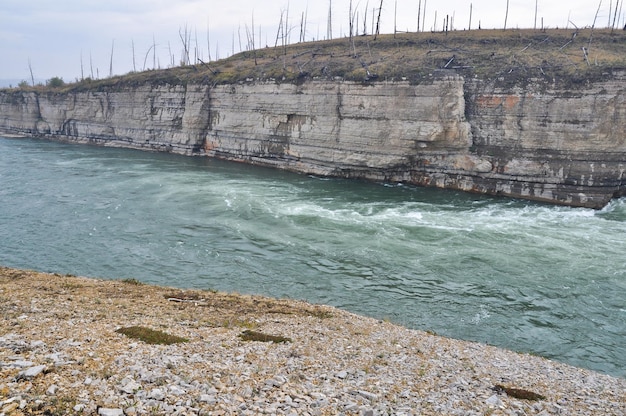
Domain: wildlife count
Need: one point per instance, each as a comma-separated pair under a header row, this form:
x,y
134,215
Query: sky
x,y
72,39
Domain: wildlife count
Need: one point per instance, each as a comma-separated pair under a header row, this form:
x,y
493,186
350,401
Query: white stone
x,y
130,387
103,411
31,372
156,394
494,401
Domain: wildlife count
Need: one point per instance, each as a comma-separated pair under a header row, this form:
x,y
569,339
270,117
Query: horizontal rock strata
x,y
533,141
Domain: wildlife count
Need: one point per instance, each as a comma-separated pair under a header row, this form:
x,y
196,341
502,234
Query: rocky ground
x,y
62,351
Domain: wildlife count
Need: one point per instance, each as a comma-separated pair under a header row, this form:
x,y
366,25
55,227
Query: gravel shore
x,y
62,351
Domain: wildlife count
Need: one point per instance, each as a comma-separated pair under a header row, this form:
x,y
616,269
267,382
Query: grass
x,y
518,393
132,281
150,336
511,57
249,335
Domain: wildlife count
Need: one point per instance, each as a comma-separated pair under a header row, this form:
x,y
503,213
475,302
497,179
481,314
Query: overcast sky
x,y
54,35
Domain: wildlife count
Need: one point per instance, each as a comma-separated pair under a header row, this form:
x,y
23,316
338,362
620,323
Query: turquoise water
x,y
521,275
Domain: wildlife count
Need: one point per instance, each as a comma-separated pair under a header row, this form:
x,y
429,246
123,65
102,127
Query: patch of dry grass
x,y
150,336
249,335
511,57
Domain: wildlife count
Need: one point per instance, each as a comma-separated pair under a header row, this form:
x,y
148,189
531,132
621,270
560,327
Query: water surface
x,y
516,274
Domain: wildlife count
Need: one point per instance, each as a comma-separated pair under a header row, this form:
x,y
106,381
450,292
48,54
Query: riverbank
x,y
62,352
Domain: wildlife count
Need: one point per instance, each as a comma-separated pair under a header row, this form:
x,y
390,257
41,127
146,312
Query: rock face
x,y
533,141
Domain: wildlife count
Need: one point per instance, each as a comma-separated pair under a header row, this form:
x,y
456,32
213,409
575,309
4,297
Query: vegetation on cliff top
x,y
566,57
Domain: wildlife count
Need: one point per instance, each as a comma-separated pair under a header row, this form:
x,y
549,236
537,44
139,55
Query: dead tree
x,y
82,74
351,22
30,68
365,19
145,59
395,19
586,52
329,25
378,20
208,39
132,44
90,65
111,61
506,15
153,52
185,39
278,32
615,16
419,9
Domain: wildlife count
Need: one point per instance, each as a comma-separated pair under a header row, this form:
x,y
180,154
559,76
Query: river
x,y
530,277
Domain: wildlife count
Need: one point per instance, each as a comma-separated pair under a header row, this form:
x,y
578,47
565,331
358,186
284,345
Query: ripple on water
x,y
526,276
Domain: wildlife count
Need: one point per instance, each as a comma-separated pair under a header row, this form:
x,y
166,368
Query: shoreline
x,y
61,353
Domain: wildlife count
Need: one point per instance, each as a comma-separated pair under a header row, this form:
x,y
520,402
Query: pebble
x,y
110,412
344,364
31,372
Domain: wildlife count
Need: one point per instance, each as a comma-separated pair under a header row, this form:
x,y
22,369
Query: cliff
x,y
526,137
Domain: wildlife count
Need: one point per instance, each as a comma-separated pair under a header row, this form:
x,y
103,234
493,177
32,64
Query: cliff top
x,y
568,57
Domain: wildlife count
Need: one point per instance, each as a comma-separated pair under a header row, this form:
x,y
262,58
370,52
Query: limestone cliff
x,y
544,143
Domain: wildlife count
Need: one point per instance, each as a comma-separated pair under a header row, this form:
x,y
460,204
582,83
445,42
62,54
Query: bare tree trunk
x,y
145,59
365,18
419,10
132,44
470,21
380,9
614,16
32,77
183,39
329,24
395,19
91,64
280,28
586,52
535,27
286,32
306,18
82,74
253,41
208,39
350,21
239,35
111,61
506,15
424,17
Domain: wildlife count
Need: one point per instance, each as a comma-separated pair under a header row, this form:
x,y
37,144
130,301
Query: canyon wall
x,y
536,141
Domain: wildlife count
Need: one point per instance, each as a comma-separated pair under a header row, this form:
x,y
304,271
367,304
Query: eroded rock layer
x,y
534,141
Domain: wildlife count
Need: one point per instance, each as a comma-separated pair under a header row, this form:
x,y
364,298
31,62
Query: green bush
x,y
55,82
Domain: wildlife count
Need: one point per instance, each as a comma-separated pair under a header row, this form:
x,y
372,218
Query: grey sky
x,y
54,34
